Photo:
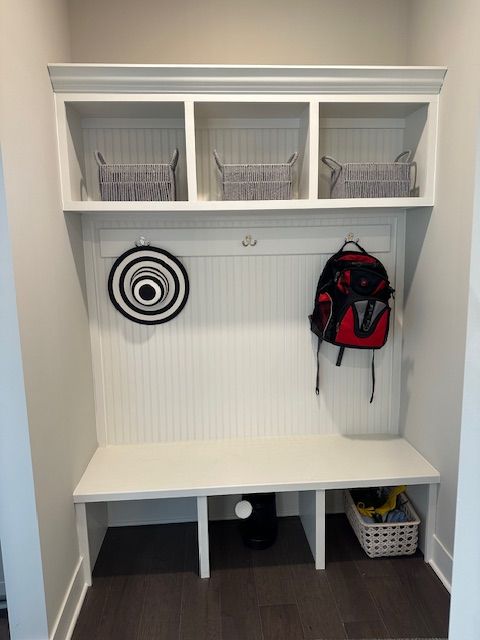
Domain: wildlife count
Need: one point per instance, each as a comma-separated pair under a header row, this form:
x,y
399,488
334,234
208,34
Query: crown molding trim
x,y
232,79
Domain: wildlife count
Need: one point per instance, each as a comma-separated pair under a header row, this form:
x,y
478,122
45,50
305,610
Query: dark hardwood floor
x,y
4,633
146,587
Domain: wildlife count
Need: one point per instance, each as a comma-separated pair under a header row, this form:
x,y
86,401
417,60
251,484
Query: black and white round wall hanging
x,y
148,285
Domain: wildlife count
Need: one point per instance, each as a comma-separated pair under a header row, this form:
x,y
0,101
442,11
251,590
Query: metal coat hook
x,y
350,237
248,241
142,242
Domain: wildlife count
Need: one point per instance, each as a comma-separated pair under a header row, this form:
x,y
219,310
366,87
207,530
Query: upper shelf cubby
x,y
139,114
124,133
250,133
377,132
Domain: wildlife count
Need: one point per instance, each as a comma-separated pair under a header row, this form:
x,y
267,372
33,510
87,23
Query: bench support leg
x,y
430,521
203,549
82,533
312,515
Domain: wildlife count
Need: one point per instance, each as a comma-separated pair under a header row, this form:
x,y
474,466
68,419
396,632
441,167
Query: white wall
x,y
465,612
438,247
49,272
233,32
18,517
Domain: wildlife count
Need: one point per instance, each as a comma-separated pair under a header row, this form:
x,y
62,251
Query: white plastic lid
x,y
243,509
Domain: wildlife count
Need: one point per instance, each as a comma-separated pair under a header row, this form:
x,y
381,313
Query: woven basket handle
x,y
174,160
407,154
100,160
293,158
414,185
408,159
336,169
218,161
331,163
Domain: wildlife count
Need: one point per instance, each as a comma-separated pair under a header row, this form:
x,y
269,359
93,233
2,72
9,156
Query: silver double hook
x,y
142,241
248,241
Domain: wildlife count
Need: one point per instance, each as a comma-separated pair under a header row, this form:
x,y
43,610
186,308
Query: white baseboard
x,y
442,563
71,605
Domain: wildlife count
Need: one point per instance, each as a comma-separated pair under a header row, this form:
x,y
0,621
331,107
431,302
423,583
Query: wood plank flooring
x,y
146,587
4,633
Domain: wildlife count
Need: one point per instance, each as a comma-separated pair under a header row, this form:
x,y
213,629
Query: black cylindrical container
x,y
259,530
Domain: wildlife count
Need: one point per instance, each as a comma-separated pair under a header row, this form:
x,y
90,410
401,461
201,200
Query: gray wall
x,y
239,32
438,249
18,516
48,273
466,574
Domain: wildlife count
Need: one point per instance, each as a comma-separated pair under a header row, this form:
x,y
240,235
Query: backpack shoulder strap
x,y
317,382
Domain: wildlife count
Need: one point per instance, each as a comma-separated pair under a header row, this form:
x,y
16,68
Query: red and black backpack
x,y
351,304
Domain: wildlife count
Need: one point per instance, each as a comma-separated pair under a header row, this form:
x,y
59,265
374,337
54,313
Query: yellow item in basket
x,y
388,505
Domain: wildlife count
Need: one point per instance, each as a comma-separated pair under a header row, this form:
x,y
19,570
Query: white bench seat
x,y
309,464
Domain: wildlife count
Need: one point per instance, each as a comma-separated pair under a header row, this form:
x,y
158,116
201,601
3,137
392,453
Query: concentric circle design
x,y
148,285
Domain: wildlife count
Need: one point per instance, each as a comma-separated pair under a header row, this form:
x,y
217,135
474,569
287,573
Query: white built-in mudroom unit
x,y
214,378
239,320
220,400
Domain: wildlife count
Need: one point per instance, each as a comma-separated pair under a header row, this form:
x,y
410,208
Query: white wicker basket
x,y
372,179
256,181
136,182
389,538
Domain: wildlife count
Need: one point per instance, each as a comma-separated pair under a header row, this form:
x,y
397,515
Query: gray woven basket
x,y
372,179
256,181
138,182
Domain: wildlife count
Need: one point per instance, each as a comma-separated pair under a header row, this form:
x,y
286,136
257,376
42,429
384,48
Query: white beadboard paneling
x,y
133,141
240,359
